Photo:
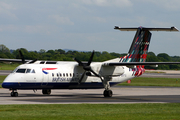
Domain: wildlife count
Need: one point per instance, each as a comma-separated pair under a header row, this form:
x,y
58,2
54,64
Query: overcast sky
x,y
87,24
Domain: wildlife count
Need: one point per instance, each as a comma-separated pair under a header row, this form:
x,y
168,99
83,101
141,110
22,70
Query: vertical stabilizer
x,y
139,47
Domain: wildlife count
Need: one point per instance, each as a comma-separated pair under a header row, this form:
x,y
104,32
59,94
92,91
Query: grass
x,y
91,111
2,79
144,81
154,72
4,66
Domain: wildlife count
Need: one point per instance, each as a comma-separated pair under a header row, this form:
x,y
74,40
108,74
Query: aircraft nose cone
x,y
7,85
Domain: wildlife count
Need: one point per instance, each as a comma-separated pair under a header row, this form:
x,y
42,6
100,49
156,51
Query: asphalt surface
x,y
5,72
121,95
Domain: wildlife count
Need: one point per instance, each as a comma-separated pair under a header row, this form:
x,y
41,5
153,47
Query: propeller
x,y
23,60
22,56
87,67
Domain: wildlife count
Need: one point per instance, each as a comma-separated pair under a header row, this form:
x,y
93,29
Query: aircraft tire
x,y
108,93
46,91
14,94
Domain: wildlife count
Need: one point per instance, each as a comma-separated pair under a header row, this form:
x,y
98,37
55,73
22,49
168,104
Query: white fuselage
x,y
63,75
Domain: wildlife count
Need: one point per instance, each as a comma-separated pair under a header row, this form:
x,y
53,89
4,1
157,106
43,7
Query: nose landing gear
x,y
14,93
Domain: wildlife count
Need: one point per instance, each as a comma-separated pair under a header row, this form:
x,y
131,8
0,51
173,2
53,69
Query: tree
x,y
151,53
164,57
41,51
4,49
61,51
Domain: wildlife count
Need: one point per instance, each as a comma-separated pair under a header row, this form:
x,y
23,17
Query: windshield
x,y
23,70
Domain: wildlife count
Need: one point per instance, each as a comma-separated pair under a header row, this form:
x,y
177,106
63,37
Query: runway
x,y
121,95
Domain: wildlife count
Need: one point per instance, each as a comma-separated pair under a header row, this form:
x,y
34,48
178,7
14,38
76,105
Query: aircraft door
x,y
45,79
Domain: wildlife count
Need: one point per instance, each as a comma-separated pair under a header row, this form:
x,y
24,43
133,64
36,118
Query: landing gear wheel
x,y
46,91
14,94
108,93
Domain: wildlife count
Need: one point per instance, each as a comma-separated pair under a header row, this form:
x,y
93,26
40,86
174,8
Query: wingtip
x,y
174,29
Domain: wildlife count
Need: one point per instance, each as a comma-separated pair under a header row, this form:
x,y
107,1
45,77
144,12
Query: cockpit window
x,y
14,70
21,71
33,71
28,70
25,71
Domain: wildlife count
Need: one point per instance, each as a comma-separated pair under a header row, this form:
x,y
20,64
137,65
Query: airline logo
x,y
44,70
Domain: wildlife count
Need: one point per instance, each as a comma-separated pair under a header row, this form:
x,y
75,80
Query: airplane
x,y
47,75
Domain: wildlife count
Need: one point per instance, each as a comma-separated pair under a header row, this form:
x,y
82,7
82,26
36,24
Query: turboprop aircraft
x,y
47,75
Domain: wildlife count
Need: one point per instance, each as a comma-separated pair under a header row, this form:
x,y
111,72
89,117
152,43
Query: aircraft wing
x,y
138,63
12,60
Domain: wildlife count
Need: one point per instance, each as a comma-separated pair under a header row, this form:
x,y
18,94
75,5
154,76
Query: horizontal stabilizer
x,y
150,29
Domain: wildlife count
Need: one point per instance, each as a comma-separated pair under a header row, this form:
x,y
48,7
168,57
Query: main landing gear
x,y
14,93
46,91
107,91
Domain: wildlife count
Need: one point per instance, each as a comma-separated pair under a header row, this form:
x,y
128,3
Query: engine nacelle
x,y
111,70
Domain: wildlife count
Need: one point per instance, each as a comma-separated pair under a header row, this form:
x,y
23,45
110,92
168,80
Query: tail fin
x,y
139,47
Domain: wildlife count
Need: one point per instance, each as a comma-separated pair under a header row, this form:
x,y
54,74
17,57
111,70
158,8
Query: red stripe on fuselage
x,y
49,68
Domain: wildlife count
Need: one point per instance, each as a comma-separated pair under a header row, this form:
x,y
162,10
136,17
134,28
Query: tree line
x,y
62,55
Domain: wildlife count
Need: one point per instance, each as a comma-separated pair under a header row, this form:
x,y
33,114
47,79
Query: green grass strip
x,y
91,112
5,66
144,81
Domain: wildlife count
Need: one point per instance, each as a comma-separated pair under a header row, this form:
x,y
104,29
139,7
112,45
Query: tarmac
x,y
121,94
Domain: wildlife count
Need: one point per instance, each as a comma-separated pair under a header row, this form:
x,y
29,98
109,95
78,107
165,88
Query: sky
x,y
87,25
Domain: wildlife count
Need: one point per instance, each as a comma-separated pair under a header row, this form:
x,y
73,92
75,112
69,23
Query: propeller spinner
x,y
87,67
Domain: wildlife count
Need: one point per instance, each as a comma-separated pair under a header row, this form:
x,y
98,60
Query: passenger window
x,y
57,74
21,71
60,74
53,74
64,74
67,74
70,74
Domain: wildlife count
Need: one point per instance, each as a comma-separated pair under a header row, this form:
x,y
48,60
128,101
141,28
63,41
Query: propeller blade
x,y
80,80
33,61
97,75
87,67
80,63
22,57
90,59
